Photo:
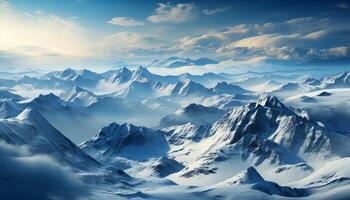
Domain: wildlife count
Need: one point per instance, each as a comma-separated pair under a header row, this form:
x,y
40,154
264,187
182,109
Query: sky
x,y
96,34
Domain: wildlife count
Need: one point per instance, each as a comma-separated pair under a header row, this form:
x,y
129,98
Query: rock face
x,y
269,119
128,141
164,166
324,94
263,133
180,134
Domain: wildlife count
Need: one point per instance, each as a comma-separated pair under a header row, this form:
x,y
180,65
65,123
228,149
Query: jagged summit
x,y
251,177
126,140
227,88
269,119
67,73
31,114
49,100
142,74
337,80
8,108
312,81
79,96
6,95
140,70
189,88
272,102
121,75
30,128
248,176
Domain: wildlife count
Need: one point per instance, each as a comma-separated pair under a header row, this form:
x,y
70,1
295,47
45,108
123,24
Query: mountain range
x,y
126,134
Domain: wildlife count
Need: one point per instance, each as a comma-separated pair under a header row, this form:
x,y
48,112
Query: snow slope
x,y
33,130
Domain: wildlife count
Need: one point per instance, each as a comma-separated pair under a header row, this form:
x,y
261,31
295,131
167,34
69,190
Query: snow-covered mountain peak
x,y
29,114
312,81
227,88
142,74
79,96
127,140
8,108
121,75
73,91
89,74
142,70
270,120
271,102
337,80
124,70
67,74
6,95
48,100
248,176
189,87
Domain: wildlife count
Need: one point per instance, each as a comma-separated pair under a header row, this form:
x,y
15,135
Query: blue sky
x,y
99,33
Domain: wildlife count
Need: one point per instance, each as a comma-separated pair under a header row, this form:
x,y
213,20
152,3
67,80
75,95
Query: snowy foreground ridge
x,y
133,134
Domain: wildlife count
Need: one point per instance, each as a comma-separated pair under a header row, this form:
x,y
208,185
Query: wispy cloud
x,y
179,13
4,5
299,20
215,10
342,5
123,21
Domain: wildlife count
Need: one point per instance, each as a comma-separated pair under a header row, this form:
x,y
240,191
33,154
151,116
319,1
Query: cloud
x,y
179,13
124,39
212,40
31,39
339,51
5,5
123,21
330,53
299,20
35,36
226,66
316,35
131,45
342,5
215,11
24,176
264,40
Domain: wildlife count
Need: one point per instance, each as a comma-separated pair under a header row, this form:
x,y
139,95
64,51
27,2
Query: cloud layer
x,y
24,176
38,38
